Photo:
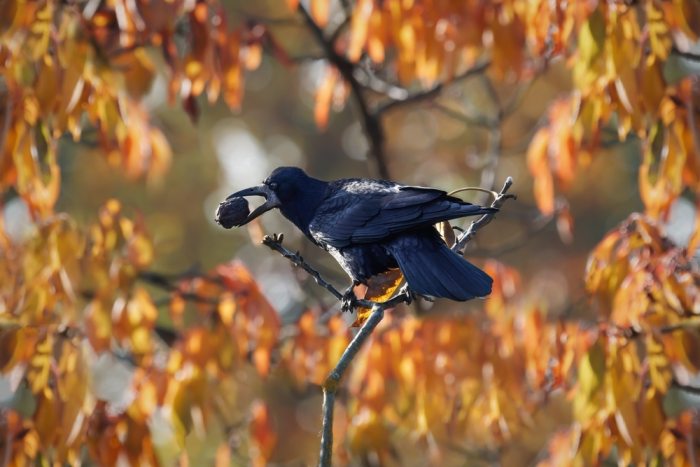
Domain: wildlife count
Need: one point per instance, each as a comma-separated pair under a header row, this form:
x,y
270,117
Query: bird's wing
x,y
367,211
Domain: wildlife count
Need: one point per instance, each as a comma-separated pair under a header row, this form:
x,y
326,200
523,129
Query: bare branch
x,y
686,55
330,385
5,125
275,243
369,80
695,390
370,121
435,90
166,283
476,120
485,219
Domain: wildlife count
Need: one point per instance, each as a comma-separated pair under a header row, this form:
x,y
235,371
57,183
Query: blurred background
x,y
425,145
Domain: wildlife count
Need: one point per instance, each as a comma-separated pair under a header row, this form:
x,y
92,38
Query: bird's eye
x,y
273,185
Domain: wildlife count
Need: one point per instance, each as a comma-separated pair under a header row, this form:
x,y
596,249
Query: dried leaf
x,y
381,288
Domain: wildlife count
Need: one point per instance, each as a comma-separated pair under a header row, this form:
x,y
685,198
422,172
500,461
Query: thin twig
x,y
478,120
686,55
485,219
369,80
5,126
694,390
275,242
435,90
330,385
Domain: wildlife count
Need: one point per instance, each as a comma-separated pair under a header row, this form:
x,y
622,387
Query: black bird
x,y
371,226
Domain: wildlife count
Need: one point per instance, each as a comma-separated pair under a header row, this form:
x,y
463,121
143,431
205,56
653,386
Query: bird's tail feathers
x,y
432,268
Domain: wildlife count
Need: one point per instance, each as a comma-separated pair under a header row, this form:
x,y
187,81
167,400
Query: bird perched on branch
x,y
372,226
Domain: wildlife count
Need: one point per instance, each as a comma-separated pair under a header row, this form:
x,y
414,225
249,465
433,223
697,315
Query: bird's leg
x,y
347,303
412,294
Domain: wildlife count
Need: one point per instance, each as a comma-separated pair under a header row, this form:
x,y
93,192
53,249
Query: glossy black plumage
x,y
370,226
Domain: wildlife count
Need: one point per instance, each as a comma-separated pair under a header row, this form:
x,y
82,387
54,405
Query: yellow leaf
x,y
40,365
659,366
591,43
380,289
659,32
592,370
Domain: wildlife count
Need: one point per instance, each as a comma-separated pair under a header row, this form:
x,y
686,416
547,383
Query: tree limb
x,y
5,125
435,90
330,385
689,389
370,120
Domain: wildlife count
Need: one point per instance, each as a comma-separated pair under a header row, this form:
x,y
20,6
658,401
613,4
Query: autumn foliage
x,y
75,297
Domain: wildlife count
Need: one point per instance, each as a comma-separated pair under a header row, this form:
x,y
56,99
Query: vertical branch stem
x,y
330,385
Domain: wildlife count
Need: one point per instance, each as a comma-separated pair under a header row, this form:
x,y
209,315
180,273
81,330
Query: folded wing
x,y
358,214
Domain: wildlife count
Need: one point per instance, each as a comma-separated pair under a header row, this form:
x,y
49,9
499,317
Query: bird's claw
x,y
347,303
412,295
274,239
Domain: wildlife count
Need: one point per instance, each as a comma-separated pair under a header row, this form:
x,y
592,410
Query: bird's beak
x,y
260,190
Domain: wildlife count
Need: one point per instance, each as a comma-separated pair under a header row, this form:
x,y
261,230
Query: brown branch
x,y
165,282
686,55
373,83
694,390
370,120
476,120
435,90
5,126
275,243
330,385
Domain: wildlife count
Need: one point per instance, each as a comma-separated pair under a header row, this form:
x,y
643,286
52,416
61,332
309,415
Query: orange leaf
x,y
262,433
544,193
381,288
537,161
320,10
323,97
98,326
223,455
358,28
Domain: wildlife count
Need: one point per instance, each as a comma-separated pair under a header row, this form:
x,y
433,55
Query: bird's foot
x,y
413,295
347,303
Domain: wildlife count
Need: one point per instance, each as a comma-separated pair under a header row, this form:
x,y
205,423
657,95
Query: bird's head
x,y
282,186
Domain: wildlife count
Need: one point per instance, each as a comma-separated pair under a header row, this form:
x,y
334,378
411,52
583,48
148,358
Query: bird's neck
x,y
301,207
